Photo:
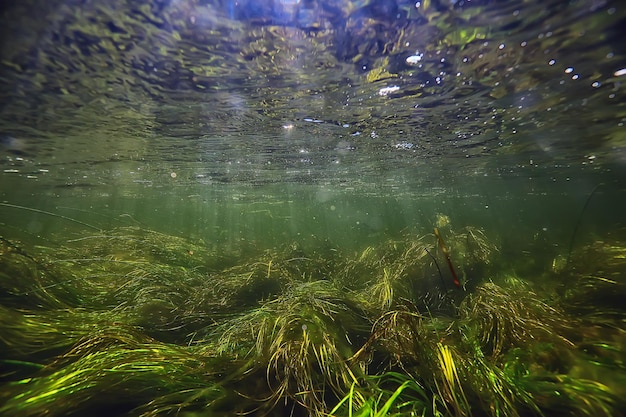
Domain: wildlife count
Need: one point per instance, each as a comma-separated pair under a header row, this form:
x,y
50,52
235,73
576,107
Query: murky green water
x,y
323,140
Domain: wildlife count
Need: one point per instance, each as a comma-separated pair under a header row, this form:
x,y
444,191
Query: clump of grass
x,y
120,370
393,273
506,317
302,339
595,277
464,361
474,247
40,284
33,334
389,394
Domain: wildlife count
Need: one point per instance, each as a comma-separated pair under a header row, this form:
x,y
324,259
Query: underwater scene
x,y
312,208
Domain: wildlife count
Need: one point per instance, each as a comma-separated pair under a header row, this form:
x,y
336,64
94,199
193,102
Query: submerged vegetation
x,y
156,105
134,322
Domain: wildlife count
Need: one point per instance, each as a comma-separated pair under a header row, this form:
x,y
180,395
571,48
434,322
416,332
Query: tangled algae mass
x,y
135,322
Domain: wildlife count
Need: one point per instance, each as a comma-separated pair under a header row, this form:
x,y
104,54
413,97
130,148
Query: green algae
x,y
134,322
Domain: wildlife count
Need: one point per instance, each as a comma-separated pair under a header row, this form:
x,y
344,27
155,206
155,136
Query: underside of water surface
x,y
312,208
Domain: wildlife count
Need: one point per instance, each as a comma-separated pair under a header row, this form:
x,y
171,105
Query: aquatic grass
x,y
398,257
302,339
286,331
24,334
591,290
246,284
509,316
603,361
136,243
595,276
456,361
460,378
600,257
118,270
295,368
408,269
406,337
88,274
27,281
383,290
562,394
450,390
396,272
493,387
409,398
473,245
412,345
127,370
